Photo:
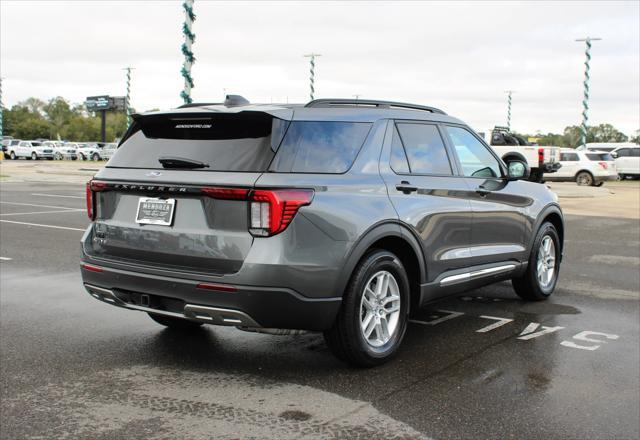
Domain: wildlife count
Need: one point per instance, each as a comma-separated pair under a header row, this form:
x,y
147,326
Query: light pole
x,y
312,71
585,99
189,59
127,107
509,93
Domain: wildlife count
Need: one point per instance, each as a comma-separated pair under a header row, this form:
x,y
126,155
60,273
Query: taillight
x,y
93,186
227,193
541,155
603,165
271,211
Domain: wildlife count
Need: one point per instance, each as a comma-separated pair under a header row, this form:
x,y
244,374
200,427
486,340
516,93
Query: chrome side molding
x,y
468,276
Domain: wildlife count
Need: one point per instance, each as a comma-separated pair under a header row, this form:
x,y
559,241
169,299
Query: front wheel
x,y
373,318
95,157
539,280
34,156
174,323
13,156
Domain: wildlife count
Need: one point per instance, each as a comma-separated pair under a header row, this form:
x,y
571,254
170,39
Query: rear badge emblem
x,y
154,174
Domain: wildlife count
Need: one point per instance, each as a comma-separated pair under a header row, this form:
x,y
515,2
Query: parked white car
x,y
30,150
585,167
628,161
608,146
107,151
88,151
62,150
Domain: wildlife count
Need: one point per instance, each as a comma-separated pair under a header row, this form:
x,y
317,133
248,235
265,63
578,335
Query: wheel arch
x,y
393,237
515,155
553,215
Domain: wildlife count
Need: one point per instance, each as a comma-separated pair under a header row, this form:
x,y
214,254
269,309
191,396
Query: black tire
x,y
175,323
528,287
95,157
599,183
12,155
584,178
34,156
345,338
621,177
81,157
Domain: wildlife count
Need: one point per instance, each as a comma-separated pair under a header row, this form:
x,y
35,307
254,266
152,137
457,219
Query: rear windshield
x,y
243,142
226,142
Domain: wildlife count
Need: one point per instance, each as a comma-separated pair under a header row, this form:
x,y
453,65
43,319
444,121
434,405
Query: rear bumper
x,y
249,306
606,178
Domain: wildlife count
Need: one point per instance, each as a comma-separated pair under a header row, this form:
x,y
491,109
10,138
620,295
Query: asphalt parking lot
x,y
480,365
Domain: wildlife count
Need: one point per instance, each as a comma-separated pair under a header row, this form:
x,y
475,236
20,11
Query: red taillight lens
x,y
218,287
541,155
92,268
89,198
93,186
273,210
603,165
227,193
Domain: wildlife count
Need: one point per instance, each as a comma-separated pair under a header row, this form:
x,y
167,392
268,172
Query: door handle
x,y
406,187
482,190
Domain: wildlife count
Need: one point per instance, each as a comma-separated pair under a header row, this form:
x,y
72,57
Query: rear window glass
x,y
320,147
243,142
599,156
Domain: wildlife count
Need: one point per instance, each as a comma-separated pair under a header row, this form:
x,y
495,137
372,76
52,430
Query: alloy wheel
x,y
546,263
380,309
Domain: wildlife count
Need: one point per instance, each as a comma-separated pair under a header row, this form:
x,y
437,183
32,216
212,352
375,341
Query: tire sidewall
x,y
547,229
378,261
589,183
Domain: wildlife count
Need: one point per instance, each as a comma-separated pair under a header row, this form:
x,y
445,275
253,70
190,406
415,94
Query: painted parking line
x,y
37,205
43,226
42,212
5,259
57,195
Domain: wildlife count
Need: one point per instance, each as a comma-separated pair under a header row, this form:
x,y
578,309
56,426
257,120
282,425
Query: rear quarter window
x,y
320,147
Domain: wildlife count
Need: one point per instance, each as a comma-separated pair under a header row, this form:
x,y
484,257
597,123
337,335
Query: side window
x,y
623,153
635,152
568,157
399,162
424,148
474,157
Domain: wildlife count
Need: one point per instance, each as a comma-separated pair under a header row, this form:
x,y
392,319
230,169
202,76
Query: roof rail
x,y
370,103
199,104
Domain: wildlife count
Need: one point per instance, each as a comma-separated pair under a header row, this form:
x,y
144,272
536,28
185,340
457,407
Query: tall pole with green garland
x,y
312,73
189,59
1,108
127,100
509,93
585,98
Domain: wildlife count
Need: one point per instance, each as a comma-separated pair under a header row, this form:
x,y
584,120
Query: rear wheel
x,y
541,276
34,156
584,178
13,155
174,323
373,318
95,157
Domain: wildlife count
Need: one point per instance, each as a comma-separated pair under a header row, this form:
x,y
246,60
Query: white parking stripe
x,y
39,206
43,226
57,195
5,259
42,212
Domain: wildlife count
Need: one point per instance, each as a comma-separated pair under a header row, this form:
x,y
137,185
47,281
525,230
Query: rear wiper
x,y
181,162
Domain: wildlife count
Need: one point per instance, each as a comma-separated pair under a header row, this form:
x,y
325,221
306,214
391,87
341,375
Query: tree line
x,y
59,119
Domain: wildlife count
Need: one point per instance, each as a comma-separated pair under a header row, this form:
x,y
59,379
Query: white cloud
x,y
459,56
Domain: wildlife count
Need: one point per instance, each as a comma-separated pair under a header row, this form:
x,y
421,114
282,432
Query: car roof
x,y
301,112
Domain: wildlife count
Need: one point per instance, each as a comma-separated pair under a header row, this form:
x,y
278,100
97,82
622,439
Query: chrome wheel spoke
x,y
380,308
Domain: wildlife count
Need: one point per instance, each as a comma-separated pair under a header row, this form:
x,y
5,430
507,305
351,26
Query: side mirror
x,y
518,170
614,154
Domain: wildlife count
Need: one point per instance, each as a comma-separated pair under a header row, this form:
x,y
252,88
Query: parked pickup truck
x,y
512,147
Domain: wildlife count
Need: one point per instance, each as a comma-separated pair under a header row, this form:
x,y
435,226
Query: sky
x,y
458,56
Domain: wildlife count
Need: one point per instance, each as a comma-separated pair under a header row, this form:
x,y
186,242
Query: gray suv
x,y
338,216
